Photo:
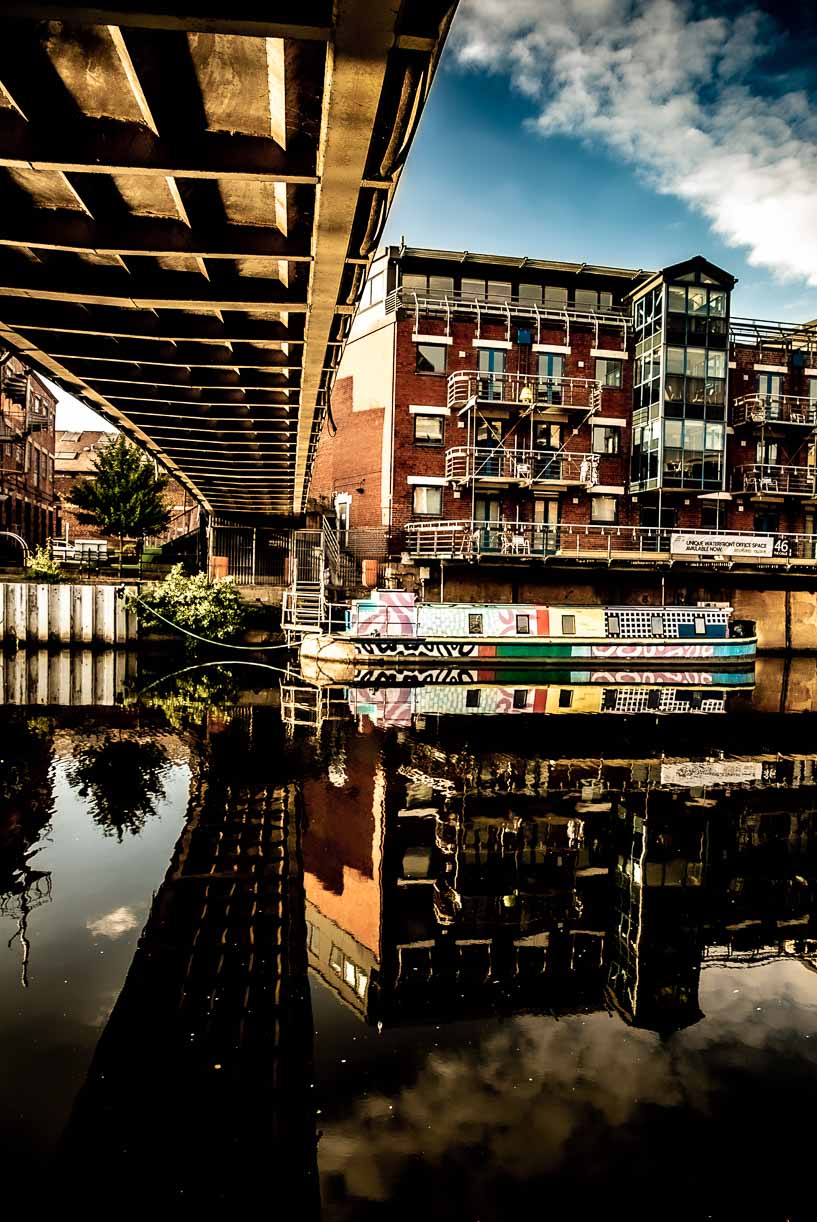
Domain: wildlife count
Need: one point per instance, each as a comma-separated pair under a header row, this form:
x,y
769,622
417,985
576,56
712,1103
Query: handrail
x,y
526,389
776,477
10,534
519,307
785,409
529,466
470,539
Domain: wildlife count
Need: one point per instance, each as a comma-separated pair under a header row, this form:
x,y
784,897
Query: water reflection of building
x,y
200,1078
443,885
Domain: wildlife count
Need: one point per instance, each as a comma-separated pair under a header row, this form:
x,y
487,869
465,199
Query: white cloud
x,y
671,94
114,924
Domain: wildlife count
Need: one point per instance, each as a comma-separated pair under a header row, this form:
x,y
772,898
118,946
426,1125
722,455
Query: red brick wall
x,y
432,389
182,521
352,458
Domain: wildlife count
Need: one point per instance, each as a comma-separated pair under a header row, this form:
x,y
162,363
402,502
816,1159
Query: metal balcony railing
x,y
524,389
776,478
775,409
470,540
528,467
444,305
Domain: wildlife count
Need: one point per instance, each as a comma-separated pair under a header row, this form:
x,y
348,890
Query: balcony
x,y
776,479
775,409
446,305
529,468
524,390
519,541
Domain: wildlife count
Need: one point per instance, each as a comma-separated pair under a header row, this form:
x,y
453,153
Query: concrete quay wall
x,y
64,614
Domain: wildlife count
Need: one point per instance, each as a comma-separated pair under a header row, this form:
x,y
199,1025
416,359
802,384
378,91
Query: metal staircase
x,y
320,567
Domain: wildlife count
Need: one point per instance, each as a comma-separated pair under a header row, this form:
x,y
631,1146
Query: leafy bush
x,y
212,609
41,567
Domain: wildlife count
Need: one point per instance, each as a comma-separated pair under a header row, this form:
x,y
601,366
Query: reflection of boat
x,y
398,697
391,628
624,692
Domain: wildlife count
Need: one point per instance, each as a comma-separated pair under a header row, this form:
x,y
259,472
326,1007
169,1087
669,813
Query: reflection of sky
x,y
535,1110
82,944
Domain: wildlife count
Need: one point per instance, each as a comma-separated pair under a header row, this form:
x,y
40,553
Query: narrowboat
x,y
391,628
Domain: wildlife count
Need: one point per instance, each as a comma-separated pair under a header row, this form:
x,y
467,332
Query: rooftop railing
x,y
444,304
472,540
776,478
527,467
775,409
524,389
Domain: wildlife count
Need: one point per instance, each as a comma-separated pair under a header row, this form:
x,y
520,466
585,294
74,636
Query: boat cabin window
x,y
568,625
613,625
565,698
657,625
520,698
523,624
472,698
700,625
475,623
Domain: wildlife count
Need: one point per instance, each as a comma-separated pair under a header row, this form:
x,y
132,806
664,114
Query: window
x,y
546,436
416,283
520,698
523,624
608,373
613,625
428,499
312,937
428,430
500,289
475,623
377,288
555,296
700,625
431,358
472,698
603,509
657,625
473,288
606,440
568,625
336,960
565,698
812,390
530,292
440,286
587,299
770,384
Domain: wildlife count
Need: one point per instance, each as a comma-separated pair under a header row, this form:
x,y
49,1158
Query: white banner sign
x,y
690,543
711,772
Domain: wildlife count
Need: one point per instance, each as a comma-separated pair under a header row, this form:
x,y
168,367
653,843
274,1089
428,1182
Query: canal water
x,y
358,954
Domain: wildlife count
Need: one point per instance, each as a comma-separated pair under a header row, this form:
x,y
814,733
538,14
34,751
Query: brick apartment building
x,y
28,504
499,409
75,452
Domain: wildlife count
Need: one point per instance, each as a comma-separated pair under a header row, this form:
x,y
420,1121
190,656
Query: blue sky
x,y
626,132
536,141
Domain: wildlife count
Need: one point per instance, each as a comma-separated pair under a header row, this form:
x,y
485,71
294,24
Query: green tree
x,y
126,498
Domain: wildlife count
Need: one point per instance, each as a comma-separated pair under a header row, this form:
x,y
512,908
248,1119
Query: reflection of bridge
x,y
189,203
198,1091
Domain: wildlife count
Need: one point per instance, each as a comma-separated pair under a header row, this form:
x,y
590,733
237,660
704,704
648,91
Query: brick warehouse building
x,y
75,455
498,409
27,415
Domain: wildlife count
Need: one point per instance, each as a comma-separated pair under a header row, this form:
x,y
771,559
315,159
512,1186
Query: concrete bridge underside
x,y
188,205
